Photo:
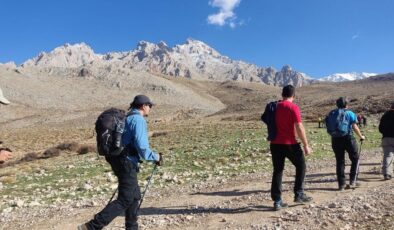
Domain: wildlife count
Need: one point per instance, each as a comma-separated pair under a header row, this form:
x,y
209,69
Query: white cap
x,y
3,99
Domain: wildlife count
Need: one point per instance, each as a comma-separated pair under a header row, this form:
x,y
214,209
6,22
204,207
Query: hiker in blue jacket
x,y
125,167
343,140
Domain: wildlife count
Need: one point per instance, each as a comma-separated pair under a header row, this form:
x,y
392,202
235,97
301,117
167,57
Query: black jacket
x,y
386,125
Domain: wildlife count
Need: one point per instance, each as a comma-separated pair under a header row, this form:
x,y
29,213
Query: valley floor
x,y
243,202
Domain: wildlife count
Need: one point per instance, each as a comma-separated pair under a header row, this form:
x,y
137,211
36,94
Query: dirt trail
x,y
244,202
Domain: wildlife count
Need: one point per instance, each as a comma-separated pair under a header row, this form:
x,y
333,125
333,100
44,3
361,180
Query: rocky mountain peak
x,y
286,68
145,46
195,47
75,49
8,65
162,44
65,56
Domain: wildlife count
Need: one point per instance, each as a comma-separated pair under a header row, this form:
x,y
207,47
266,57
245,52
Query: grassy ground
x,y
194,152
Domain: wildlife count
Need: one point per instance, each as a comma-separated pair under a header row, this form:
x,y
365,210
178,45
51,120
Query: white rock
x,y
7,210
34,203
110,177
87,186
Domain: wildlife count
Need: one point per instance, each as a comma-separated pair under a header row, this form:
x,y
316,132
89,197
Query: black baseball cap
x,y
141,100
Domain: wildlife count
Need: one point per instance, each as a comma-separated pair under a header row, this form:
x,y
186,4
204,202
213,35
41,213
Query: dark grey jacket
x,y
386,125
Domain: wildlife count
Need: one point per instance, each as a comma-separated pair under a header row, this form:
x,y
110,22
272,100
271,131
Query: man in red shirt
x,y
284,145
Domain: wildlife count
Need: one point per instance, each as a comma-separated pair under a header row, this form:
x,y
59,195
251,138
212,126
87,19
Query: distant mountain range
x,y
340,77
194,60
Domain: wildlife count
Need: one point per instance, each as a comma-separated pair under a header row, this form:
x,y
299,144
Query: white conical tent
x,y
3,99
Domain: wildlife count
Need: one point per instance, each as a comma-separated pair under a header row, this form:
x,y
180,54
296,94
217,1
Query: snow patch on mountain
x,y
341,77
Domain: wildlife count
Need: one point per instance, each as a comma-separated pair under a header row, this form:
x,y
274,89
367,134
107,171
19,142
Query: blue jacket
x,y
136,133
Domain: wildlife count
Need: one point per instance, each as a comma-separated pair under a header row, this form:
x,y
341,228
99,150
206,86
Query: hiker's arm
x,y
382,123
301,134
357,131
142,143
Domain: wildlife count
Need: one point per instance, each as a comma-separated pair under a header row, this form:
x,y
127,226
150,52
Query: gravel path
x,y
242,202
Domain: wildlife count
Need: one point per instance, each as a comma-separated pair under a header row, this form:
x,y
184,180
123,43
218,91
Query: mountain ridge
x,y
194,60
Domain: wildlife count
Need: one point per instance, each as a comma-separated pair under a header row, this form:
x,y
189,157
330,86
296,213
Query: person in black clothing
x,y
386,127
346,143
125,167
364,121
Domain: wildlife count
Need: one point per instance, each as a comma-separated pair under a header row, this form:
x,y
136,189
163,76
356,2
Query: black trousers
x,y
295,154
128,198
340,145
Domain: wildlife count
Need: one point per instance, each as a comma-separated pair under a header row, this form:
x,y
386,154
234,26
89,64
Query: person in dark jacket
x,y
125,167
364,121
386,128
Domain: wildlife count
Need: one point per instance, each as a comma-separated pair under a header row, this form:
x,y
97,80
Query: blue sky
x,y
317,37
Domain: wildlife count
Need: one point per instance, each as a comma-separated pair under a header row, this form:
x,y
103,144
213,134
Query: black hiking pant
x,y
340,145
295,154
128,198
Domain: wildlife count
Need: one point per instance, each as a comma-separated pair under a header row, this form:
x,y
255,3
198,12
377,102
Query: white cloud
x,y
226,13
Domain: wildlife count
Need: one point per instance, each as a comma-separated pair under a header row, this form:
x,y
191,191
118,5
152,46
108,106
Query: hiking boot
x,y
387,177
83,227
134,226
278,205
302,199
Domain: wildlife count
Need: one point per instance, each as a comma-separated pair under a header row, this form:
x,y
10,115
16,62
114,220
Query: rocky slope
x,y
194,60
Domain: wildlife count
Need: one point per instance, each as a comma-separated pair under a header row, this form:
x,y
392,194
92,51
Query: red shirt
x,y
286,116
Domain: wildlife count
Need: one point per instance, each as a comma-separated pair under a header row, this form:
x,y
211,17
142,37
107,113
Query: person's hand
x,y
307,150
362,138
5,155
160,162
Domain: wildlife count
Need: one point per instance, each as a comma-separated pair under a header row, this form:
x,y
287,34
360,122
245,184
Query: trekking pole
x,y
358,162
147,185
112,197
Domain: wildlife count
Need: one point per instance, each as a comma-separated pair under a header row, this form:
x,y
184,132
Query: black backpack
x,y
268,117
109,129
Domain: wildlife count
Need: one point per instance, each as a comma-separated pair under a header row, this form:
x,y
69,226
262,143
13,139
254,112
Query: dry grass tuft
x,y
7,164
84,149
52,152
159,133
8,172
71,146
8,179
29,157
